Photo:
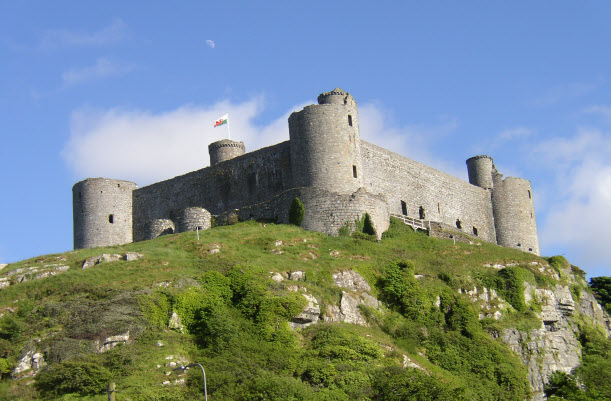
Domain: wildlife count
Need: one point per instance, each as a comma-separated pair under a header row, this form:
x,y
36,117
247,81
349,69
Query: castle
x,y
337,176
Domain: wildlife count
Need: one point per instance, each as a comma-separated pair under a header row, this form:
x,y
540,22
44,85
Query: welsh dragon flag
x,y
221,121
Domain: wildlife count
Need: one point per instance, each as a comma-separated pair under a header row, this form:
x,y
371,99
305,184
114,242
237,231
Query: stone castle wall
x,y
337,176
102,212
410,186
325,211
249,179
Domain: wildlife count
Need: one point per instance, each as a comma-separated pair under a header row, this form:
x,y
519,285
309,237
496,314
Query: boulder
x,y
309,315
351,280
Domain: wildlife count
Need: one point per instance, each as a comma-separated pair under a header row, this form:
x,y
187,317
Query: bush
x,y
368,225
296,212
83,378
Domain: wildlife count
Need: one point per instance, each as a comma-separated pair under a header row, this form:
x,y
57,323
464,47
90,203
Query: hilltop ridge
x,y
277,313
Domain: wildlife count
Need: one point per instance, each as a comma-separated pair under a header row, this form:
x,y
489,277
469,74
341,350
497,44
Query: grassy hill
x,y
213,301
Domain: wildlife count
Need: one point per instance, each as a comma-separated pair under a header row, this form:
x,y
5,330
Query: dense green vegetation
x,y
234,320
602,290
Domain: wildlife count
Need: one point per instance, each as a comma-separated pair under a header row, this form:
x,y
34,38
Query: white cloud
x,y
210,43
115,32
415,141
567,91
515,133
579,219
101,69
145,147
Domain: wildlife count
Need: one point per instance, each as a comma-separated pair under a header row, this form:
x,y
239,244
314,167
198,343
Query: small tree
x,y
296,212
368,225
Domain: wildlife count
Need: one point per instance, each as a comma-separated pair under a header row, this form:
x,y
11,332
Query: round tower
x,y
480,171
102,212
325,144
225,149
514,214
193,218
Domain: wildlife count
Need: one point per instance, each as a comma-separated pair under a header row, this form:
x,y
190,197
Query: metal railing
x,y
416,224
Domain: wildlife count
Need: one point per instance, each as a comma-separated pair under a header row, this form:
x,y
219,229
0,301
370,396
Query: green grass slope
x,y
234,319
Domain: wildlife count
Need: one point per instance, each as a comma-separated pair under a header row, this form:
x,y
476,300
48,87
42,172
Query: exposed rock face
x,y
175,322
554,346
112,341
348,310
309,315
24,274
351,280
489,301
29,364
112,257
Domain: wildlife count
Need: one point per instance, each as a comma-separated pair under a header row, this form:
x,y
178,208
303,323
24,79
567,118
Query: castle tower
x,y
102,212
514,213
225,149
325,144
480,171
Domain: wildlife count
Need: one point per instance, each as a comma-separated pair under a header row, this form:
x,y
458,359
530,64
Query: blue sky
x,y
130,90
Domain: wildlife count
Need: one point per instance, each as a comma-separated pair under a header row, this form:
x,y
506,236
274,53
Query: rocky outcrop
x,y
357,294
554,346
351,280
111,342
24,274
309,315
29,364
112,257
490,303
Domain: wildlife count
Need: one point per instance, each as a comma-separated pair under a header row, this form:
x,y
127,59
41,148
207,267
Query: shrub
x,y
83,378
232,219
296,212
368,225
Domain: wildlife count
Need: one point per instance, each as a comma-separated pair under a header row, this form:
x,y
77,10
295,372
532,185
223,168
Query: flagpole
x,y
228,132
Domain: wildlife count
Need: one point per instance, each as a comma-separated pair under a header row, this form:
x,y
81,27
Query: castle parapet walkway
x,y
416,224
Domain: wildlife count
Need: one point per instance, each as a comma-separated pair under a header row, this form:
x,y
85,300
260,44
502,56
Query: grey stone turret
x,y
514,213
480,171
102,212
325,144
225,149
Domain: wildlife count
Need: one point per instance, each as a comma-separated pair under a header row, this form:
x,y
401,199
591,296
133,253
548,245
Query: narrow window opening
x,y
111,218
529,195
349,120
118,185
354,171
475,231
439,207
404,208
252,183
519,244
530,249
458,224
422,213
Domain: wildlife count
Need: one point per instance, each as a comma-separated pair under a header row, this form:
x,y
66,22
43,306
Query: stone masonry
x,y
337,176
